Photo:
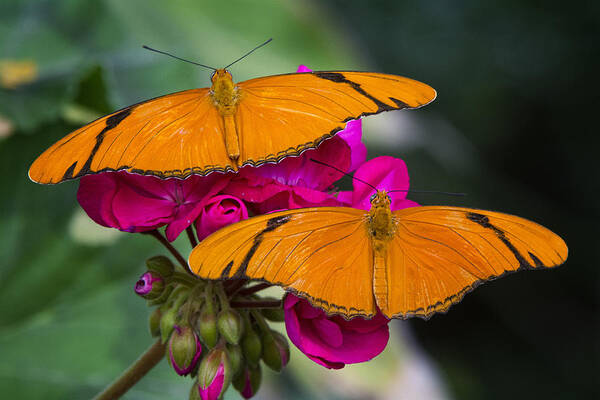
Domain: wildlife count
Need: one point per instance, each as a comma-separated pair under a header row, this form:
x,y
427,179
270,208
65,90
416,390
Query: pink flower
x,y
150,285
294,182
384,173
332,341
219,211
136,203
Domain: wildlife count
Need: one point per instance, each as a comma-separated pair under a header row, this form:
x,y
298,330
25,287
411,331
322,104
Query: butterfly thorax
x,y
224,92
381,223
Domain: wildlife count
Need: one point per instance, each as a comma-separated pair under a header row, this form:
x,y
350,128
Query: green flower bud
x,y
276,351
161,265
214,374
273,314
248,382
206,326
184,349
167,321
251,345
230,325
154,322
235,358
194,392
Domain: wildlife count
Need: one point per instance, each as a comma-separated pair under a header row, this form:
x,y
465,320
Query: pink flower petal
x,y
329,332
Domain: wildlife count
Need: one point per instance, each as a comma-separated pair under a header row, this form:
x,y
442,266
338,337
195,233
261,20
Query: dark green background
x,y
513,126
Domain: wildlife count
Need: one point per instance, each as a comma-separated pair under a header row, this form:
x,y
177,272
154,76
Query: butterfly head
x,y
220,75
381,199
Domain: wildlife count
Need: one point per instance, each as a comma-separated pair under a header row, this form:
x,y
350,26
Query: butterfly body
x,y
411,262
226,126
226,95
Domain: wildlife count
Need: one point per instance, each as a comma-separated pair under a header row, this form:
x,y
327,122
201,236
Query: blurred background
x,y
512,127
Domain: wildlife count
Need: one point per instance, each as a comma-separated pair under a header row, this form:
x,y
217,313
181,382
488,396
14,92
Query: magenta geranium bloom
x,y
218,212
294,182
384,173
333,342
136,203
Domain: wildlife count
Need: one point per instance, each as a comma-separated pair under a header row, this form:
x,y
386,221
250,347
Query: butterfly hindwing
x,y
439,254
322,254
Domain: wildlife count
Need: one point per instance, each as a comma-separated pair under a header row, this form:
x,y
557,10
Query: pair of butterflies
x,y
411,262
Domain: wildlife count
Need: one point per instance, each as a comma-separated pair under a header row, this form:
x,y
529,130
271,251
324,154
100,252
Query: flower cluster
x,y
219,332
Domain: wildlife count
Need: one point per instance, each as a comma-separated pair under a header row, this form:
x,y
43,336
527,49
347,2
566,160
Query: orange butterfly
x,y
226,126
410,262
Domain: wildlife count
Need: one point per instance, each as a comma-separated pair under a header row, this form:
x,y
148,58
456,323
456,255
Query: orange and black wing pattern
x,y
322,254
184,133
439,254
283,115
173,135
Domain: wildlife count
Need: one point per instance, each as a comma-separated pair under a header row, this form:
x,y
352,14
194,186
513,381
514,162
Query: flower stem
x,y
253,289
234,285
256,304
134,373
190,232
171,249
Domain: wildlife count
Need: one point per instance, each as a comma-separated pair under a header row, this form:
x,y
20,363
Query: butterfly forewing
x,y
305,109
438,254
322,254
173,135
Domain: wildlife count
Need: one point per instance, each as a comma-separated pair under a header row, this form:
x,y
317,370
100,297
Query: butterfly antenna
x,y
345,173
250,52
179,58
428,191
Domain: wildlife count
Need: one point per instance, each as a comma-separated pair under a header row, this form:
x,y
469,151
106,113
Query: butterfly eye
x,y
373,196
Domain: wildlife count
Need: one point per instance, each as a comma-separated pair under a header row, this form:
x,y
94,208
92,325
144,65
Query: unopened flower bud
x,y
230,325
195,392
235,358
161,265
206,326
154,322
248,382
184,349
214,374
251,345
167,321
150,285
276,351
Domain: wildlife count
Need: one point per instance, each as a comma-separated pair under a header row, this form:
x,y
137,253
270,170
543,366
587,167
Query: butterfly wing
x,y
284,115
173,135
439,254
322,254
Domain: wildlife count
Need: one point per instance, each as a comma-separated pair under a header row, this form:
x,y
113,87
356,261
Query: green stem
x,y
134,373
256,304
184,279
171,249
253,289
222,296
